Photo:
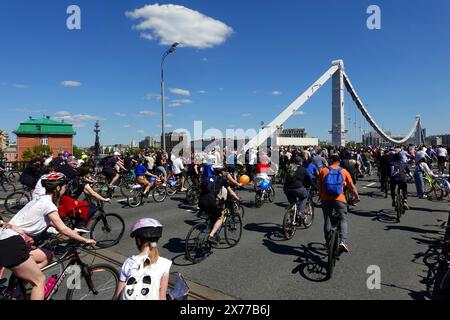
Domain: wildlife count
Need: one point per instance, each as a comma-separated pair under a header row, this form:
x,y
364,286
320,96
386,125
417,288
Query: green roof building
x,y
58,135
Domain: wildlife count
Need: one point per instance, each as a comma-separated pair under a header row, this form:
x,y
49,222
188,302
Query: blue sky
x,y
275,46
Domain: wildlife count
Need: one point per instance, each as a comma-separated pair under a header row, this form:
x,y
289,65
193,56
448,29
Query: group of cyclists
x,y
58,184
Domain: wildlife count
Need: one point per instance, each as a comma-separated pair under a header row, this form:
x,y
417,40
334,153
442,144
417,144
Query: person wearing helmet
x,y
17,252
397,174
146,233
110,169
214,189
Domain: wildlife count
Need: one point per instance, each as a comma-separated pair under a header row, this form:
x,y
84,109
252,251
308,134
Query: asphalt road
x,y
265,266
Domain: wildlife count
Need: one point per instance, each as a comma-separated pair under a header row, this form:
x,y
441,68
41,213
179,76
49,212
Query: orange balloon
x,y
244,180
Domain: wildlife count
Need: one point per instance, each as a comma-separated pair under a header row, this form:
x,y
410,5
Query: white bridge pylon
x,y
340,79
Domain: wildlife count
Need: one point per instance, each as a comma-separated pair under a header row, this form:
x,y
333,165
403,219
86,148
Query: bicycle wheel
x,y
438,192
126,187
258,200
238,209
332,250
309,216
13,177
444,284
233,230
192,197
272,194
159,194
102,188
197,248
98,282
6,188
289,228
135,198
172,189
107,230
16,201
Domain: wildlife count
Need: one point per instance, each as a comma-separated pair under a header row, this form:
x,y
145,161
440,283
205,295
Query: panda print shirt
x,y
158,270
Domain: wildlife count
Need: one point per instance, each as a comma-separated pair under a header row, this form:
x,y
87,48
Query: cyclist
x,y
69,169
141,176
69,201
179,171
297,182
147,233
385,163
110,167
212,193
319,160
331,185
32,173
16,246
398,172
421,169
442,158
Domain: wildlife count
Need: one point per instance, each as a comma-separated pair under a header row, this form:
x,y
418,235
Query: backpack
x,y
334,182
104,160
291,171
140,285
395,173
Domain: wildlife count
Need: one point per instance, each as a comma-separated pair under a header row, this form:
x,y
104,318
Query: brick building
x,y
34,132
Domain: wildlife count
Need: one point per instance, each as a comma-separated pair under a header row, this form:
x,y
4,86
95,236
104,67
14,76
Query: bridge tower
x,y
338,118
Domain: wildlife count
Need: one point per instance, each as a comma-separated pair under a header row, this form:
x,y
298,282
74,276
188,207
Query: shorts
x,y
109,173
442,159
208,205
13,252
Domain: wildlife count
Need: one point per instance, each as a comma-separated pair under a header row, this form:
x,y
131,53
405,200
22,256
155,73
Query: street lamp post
x,y
163,133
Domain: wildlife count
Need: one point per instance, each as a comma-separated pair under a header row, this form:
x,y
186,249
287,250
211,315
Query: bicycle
x,y
434,187
136,196
13,175
399,203
437,258
294,218
441,165
15,201
349,198
334,251
264,195
107,229
100,281
193,194
6,187
198,248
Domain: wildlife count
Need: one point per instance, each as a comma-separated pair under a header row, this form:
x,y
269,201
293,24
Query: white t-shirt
x,y
39,190
33,218
177,166
158,270
252,157
441,152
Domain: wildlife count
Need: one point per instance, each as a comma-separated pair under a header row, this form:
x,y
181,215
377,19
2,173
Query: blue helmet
x,y
265,185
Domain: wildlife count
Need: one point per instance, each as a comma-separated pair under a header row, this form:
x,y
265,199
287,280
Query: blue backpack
x,y
334,182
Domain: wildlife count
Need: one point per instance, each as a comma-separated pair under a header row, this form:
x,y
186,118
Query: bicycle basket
x,y
181,289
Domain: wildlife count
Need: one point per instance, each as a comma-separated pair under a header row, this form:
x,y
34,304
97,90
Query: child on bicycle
x,y
145,276
141,176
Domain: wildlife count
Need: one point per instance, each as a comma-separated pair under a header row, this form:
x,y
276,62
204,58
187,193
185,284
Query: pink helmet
x,y
147,228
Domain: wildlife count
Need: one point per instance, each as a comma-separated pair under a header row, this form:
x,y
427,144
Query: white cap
x,y
47,162
116,153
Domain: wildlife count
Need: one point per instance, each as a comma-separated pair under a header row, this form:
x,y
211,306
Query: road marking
x,y
369,185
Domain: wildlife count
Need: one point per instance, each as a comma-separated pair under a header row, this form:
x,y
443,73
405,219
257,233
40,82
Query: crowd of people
x,y
58,183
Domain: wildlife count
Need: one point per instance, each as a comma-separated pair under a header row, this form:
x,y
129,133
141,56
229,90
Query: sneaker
x,y
344,247
405,204
212,240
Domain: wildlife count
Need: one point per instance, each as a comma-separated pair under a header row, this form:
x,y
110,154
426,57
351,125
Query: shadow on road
x,y
311,266
271,231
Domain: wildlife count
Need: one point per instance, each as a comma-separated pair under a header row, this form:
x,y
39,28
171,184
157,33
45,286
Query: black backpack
x,y
105,160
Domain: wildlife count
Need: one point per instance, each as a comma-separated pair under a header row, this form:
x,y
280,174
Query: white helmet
x,y
147,228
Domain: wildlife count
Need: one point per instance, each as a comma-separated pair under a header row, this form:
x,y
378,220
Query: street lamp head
x,y
176,44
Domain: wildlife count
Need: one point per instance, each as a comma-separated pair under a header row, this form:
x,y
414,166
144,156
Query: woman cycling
x,y
147,233
16,250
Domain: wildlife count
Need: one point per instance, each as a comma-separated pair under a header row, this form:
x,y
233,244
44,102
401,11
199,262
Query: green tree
x,y
77,152
2,154
42,150
27,155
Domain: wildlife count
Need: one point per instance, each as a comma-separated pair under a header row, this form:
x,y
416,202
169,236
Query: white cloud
x,y
180,102
78,120
120,114
299,113
205,59
26,110
70,83
127,126
246,115
171,23
180,92
147,113
21,86
276,93
141,132
202,92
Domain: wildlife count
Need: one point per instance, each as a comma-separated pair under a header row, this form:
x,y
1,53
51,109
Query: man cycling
x,y
214,190
141,176
398,172
110,169
442,156
333,198
32,173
